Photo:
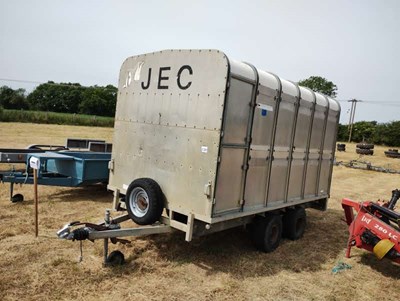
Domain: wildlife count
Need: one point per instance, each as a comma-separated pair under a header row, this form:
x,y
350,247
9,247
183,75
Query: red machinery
x,y
376,227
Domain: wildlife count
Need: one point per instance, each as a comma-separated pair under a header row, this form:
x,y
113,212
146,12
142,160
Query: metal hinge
x,y
111,165
207,189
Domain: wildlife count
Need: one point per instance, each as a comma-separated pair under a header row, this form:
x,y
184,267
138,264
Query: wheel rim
x,y
139,202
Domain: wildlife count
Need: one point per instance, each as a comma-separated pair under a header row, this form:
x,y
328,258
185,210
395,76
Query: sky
x,y
355,44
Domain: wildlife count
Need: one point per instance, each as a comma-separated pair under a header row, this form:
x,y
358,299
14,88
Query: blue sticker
x,y
263,112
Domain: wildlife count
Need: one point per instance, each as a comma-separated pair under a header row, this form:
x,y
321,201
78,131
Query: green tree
x,y
388,134
372,132
52,97
12,99
343,132
319,84
364,131
73,98
99,101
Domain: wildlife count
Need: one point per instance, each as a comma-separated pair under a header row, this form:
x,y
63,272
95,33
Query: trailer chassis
x,y
111,230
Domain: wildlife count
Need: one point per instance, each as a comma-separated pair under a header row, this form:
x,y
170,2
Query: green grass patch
x,y
55,118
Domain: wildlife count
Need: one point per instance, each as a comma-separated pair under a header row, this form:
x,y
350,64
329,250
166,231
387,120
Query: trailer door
x,y
234,145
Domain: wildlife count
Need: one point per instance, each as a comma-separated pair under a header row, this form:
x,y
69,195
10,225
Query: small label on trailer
x,y
264,108
34,163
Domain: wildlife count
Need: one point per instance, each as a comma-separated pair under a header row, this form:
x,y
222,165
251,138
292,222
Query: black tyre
x,y
115,258
364,151
267,232
365,146
294,223
392,154
144,201
341,147
16,198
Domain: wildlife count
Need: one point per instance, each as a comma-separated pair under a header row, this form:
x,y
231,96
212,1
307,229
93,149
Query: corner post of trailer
x,y
272,142
250,128
116,199
321,148
333,155
291,146
307,154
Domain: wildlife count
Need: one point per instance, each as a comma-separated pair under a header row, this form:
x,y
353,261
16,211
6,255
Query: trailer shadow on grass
x,y
232,250
97,192
385,266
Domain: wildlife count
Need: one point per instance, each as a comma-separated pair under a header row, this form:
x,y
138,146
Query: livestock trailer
x,y
219,143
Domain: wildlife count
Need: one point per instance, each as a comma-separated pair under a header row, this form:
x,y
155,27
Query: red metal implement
x,y
373,228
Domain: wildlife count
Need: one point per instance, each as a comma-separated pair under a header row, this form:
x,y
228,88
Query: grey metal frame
x,y
245,146
272,142
321,149
290,158
250,129
291,146
308,143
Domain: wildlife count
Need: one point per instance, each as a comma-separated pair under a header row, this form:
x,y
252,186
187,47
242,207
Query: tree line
x,y
101,101
63,98
372,132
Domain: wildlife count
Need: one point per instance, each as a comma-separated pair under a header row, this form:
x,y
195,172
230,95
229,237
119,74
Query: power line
x,y
20,81
72,85
374,102
353,109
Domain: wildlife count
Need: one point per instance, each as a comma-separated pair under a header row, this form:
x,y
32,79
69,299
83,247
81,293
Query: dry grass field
x,y
224,266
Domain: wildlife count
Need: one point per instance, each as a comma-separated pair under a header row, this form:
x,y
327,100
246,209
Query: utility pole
x,y
352,114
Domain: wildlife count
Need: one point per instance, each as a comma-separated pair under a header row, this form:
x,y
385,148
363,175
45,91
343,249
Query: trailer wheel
x,y
267,233
16,198
115,258
144,201
294,223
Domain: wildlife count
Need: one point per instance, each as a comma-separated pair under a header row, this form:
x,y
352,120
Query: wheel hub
x,y
139,202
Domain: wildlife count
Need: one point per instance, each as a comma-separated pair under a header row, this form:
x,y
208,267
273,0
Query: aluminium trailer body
x,y
224,140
